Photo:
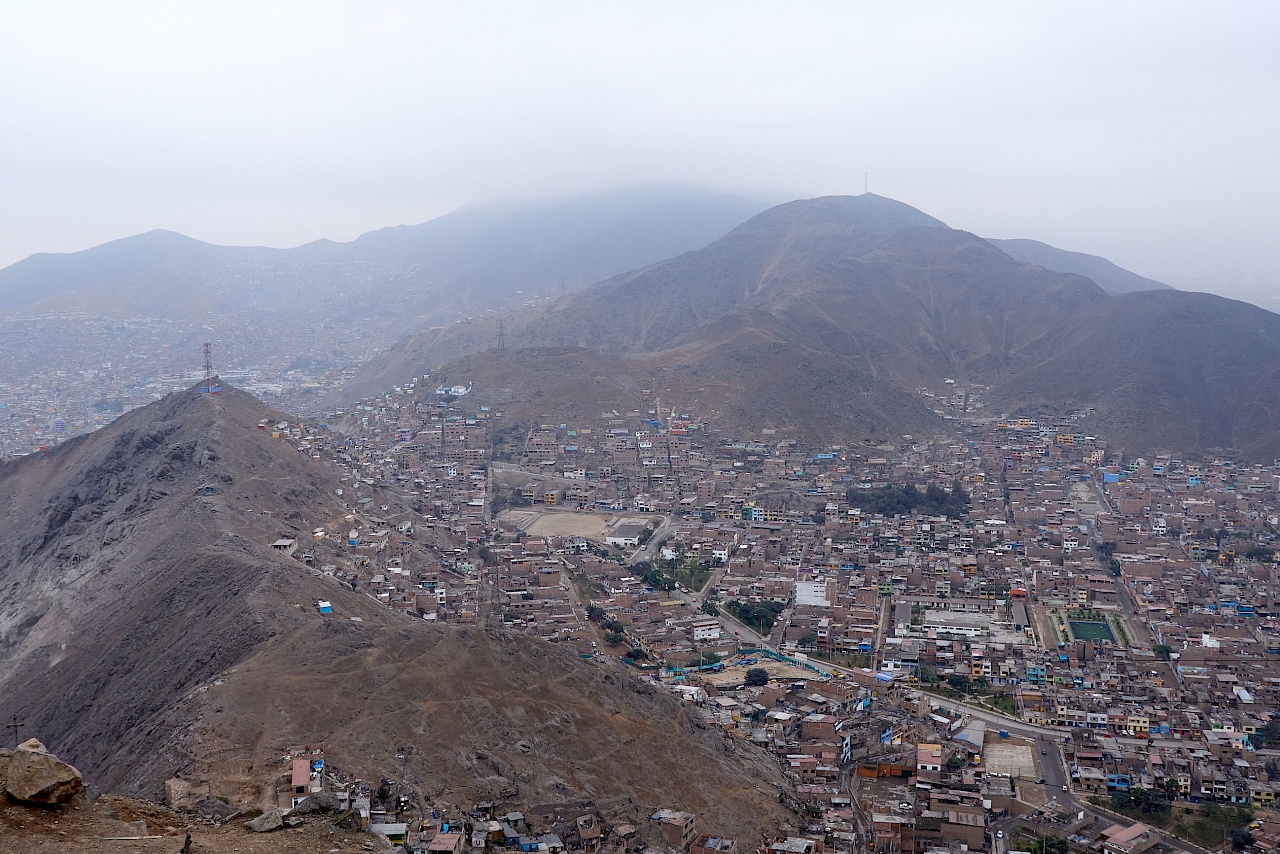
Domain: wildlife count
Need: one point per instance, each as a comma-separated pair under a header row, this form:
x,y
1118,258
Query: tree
x,y
757,676
613,638
955,762
1163,650
1241,837
1268,735
1149,802
759,615
595,613
958,681
709,608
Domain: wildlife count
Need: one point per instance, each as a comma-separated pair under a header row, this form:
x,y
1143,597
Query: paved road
x,y
1053,766
1048,741
649,551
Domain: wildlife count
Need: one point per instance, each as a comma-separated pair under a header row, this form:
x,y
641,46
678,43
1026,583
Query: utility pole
x,y
14,725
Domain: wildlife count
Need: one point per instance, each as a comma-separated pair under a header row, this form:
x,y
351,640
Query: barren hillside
x,y
826,315
148,630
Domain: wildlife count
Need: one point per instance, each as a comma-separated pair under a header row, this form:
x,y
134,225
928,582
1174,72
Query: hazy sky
x,y
1146,132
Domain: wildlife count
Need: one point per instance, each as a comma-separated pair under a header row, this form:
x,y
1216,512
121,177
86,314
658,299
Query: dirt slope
x,y
138,571
479,716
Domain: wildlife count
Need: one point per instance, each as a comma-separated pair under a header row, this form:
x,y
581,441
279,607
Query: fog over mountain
x,y
1132,133
468,261
587,428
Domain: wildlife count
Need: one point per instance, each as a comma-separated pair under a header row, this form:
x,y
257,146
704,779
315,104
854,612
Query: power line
x,y
14,725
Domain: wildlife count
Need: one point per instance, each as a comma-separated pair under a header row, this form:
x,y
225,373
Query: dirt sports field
x,y
568,525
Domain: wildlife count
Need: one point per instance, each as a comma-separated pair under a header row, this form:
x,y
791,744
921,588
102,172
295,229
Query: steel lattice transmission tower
x,y
211,384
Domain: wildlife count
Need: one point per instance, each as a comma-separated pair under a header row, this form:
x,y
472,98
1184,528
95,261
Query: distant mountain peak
x,y
866,212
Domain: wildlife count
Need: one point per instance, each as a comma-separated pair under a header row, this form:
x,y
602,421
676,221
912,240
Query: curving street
x,y
1053,767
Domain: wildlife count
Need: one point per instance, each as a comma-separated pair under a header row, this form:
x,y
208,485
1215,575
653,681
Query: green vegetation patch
x,y
693,575
901,500
757,615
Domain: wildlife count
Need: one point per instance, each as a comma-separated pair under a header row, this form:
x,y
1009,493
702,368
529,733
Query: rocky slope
x,y
1110,277
826,315
1166,369
147,630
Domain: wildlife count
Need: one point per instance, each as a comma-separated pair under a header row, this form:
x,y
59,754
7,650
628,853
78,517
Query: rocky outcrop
x,y
318,803
37,776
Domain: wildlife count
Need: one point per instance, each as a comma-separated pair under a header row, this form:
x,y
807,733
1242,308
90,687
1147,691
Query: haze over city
x,y
650,428
1139,132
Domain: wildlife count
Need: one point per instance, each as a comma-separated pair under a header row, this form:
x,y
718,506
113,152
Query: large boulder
x,y
38,777
267,822
215,809
318,803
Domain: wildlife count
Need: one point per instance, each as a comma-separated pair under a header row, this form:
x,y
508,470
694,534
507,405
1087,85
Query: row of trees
x,y
1144,801
895,500
653,576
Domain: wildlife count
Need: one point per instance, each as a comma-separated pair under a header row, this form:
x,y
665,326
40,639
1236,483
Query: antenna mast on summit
x,y
211,385
865,182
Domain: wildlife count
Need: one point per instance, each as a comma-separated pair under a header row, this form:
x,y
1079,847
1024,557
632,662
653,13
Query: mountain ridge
x,y
149,630
493,249
882,300
1111,278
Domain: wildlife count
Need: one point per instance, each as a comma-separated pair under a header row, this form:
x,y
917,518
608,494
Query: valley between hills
x,y
675,557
